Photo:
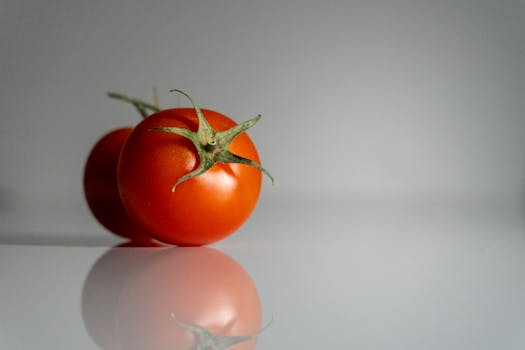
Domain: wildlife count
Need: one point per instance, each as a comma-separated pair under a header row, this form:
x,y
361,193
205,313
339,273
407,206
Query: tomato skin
x,y
100,185
195,285
201,210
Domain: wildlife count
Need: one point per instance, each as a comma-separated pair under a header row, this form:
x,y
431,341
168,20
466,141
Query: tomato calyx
x,y
212,146
204,339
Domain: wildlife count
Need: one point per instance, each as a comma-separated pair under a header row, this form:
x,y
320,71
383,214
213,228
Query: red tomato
x,y
180,298
201,210
100,186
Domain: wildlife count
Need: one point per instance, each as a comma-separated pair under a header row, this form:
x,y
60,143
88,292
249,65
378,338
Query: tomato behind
x,y
101,189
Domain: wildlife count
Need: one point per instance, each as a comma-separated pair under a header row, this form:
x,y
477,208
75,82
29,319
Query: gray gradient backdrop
x,y
399,99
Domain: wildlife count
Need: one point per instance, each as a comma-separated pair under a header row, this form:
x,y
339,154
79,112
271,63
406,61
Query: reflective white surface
x,y
332,274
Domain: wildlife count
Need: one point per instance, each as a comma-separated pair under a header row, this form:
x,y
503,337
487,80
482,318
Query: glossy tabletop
x,y
329,273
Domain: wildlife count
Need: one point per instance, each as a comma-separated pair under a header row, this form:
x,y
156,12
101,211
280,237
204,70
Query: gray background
x,y
392,99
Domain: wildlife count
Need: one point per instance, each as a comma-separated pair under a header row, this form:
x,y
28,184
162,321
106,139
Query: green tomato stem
x,y
141,106
156,100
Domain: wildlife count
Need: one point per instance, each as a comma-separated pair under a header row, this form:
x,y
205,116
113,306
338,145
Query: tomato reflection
x,y
102,289
171,298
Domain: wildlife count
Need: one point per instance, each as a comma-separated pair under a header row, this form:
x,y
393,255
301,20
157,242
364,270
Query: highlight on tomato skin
x,y
171,298
101,189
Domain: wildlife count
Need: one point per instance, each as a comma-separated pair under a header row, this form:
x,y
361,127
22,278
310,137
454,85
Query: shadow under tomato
x,y
170,298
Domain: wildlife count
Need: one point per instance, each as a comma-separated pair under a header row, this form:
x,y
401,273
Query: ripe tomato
x,y
202,209
188,298
100,186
